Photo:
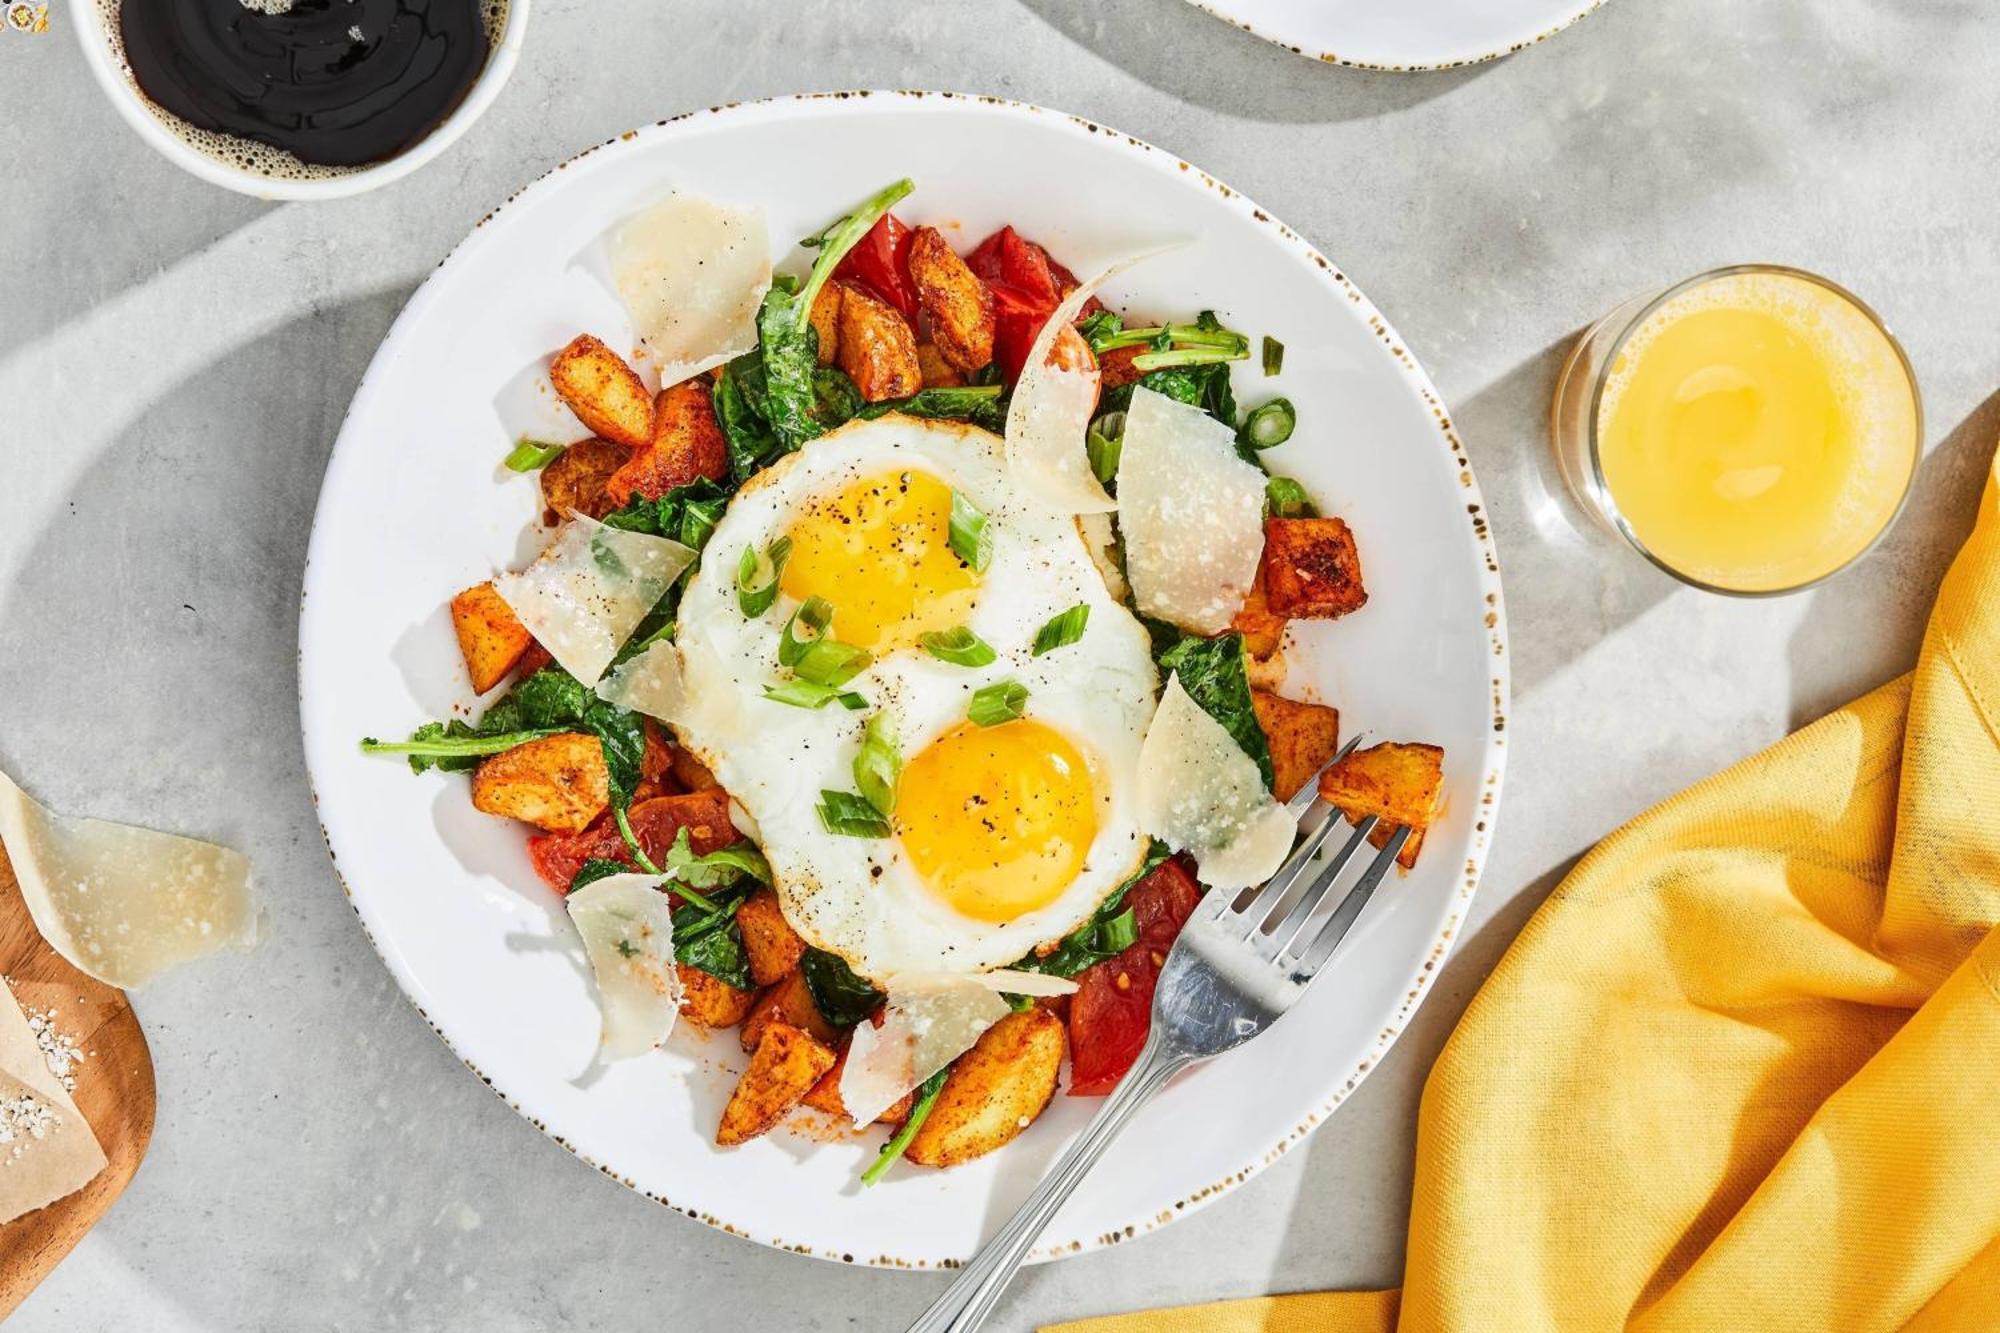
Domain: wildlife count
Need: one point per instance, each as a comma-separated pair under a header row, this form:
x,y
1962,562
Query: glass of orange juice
x,y
1751,430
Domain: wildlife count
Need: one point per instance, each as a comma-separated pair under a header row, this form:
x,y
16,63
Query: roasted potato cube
x,y
532,661
687,444
1303,737
877,349
606,394
937,372
994,1091
691,773
575,481
783,1068
825,319
1311,569
825,1096
774,947
789,1001
1116,366
558,783
1262,631
958,305
1398,783
489,637
710,1002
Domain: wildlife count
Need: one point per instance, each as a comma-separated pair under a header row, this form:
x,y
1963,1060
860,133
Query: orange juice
x,y
1756,430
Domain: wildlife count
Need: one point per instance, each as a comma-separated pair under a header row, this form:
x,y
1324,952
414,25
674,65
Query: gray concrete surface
x,y
174,362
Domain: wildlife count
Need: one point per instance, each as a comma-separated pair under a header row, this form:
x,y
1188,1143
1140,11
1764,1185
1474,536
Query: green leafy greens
x,y
843,999
1111,930
1212,671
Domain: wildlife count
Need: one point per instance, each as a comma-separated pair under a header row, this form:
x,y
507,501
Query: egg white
x,y
859,897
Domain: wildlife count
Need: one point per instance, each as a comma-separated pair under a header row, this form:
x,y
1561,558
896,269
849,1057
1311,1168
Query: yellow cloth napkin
x,y
1742,1070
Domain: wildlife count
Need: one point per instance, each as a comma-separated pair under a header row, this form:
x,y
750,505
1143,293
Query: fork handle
x,y
971,1296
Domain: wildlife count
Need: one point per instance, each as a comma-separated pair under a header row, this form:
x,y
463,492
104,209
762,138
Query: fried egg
x,y
1002,837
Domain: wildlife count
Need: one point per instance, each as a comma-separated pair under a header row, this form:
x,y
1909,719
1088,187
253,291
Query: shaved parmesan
x,y
692,273
124,903
47,1148
650,683
929,1022
1049,414
1101,539
628,934
1199,793
1191,513
1003,981
590,589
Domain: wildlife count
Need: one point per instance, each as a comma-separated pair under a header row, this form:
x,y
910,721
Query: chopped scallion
x,y
1002,701
807,694
958,646
1062,630
1285,498
757,576
533,455
879,765
850,816
1118,934
815,613
1274,356
1270,425
970,539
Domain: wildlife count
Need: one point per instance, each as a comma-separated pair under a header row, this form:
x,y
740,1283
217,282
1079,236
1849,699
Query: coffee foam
x,y
259,159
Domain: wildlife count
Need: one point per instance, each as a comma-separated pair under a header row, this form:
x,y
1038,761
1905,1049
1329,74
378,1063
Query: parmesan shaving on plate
x,y
47,1149
586,593
121,903
929,1022
1199,793
649,683
1049,414
1191,513
692,273
628,934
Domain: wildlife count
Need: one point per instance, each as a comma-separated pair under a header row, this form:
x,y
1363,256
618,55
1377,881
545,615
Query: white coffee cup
x,y
101,49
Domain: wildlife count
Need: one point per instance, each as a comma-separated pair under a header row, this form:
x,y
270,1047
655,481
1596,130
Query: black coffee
x,y
336,83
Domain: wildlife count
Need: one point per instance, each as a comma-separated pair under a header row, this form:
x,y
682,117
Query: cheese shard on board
x,y
1199,793
649,683
692,273
627,926
122,903
47,1149
928,1022
587,592
1049,413
1191,513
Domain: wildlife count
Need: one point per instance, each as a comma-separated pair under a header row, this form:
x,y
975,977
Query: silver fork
x,y
1241,961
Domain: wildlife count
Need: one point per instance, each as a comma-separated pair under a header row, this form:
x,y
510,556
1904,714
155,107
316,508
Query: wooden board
x,y
114,1090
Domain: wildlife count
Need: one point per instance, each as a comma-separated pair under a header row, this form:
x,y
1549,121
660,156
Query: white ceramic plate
x,y
415,507
1413,35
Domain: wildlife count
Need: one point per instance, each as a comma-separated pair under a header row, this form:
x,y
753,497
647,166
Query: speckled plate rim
x,y
1342,1082
1426,63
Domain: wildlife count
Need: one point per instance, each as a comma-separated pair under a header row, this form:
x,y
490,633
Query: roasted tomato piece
x,y
1112,1009
655,823
1027,286
880,262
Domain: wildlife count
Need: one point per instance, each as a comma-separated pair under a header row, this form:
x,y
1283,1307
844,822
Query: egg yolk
x,y
879,550
997,820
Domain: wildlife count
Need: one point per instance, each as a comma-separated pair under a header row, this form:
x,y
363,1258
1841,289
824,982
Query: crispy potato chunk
x,y
994,1091
1398,783
1303,737
710,1002
783,1068
1116,366
606,394
825,1096
825,319
575,481
1311,570
1262,630
691,773
558,783
877,349
774,947
958,305
789,1001
687,443
532,661
490,638
937,372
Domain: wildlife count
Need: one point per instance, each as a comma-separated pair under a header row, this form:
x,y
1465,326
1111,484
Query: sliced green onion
x,y
1270,425
807,694
958,646
830,662
970,539
1020,1004
1274,356
1285,498
1064,629
879,765
815,613
757,576
1105,443
850,816
1118,934
927,1096
533,455
1002,701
